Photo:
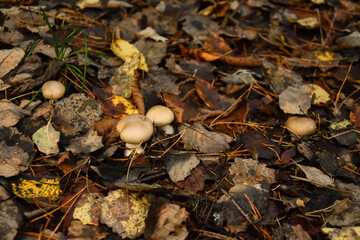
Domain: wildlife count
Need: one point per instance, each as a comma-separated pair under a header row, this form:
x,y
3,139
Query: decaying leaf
x,y
319,95
351,40
198,138
344,233
10,219
76,113
180,166
46,139
13,160
227,213
149,32
120,83
90,142
9,59
169,224
10,114
45,189
207,93
125,213
195,182
316,175
250,171
79,231
294,101
87,208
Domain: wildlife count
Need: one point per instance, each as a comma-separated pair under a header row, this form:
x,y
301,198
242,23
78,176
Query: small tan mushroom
x,y
161,116
134,129
53,90
300,126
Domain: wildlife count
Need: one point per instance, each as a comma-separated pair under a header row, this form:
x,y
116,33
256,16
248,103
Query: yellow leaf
x,y
325,56
309,22
45,189
127,52
340,125
319,95
129,107
344,233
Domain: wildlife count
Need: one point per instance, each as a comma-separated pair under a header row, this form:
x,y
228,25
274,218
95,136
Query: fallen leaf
x,y
120,83
316,175
180,166
207,93
319,95
79,231
9,59
87,208
195,182
198,138
226,213
42,190
46,139
86,144
125,213
10,219
250,171
76,113
169,223
13,160
149,32
344,233
294,101
10,114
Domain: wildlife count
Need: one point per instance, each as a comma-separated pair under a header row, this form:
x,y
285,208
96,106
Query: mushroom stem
x,y
131,147
167,129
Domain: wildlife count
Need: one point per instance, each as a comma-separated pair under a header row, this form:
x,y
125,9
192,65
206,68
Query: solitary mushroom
x,y
300,126
134,129
161,116
53,90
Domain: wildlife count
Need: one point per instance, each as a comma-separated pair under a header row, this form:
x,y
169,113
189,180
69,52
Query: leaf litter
x,y
232,73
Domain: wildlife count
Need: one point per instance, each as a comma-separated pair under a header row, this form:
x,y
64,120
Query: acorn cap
x,y
53,90
160,115
135,128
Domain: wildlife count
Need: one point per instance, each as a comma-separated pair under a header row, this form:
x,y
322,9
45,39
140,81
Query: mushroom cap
x,y
300,126
135,128
160,115
53,90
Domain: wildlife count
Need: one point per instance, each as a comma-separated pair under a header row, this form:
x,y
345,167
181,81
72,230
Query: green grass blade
x,y
51,31
37,40
32,99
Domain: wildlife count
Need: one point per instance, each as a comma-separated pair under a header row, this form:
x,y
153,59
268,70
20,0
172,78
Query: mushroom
x,y
161,117
134,129
300,126
53,90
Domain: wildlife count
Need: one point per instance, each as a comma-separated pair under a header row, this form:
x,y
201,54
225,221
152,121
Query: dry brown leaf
x,y
198,138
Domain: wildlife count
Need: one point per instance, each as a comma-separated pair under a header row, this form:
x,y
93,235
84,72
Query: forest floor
x,y
264,94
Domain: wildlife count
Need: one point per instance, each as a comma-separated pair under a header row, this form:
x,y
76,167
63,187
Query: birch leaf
x,y
46,139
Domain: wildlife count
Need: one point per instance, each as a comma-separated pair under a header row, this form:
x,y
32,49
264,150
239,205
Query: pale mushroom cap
x,y
300,126
135,128
160,115
53,90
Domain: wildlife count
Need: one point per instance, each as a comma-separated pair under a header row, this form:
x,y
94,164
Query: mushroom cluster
x,y
135,129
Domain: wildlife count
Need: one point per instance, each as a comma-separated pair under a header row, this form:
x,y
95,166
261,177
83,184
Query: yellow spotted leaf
x,y
125,213
45,189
